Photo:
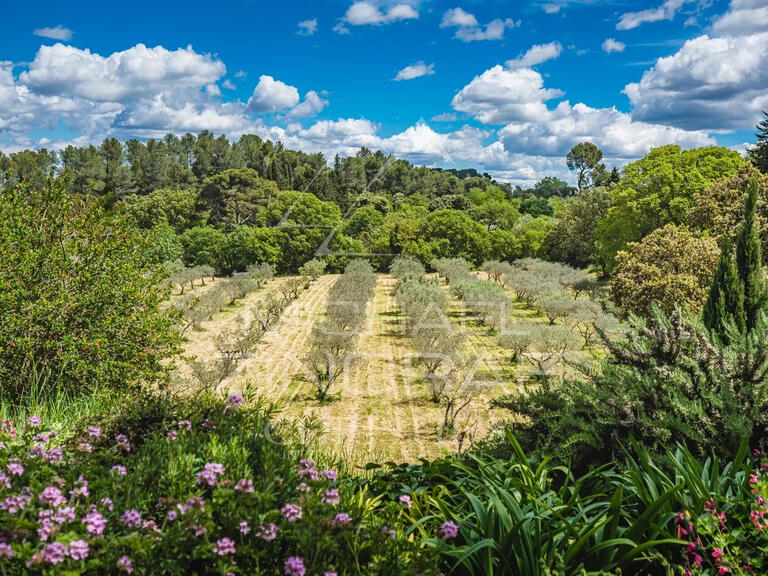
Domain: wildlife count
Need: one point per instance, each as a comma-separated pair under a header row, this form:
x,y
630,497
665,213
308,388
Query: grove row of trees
x,y
449,372
235,343
332,340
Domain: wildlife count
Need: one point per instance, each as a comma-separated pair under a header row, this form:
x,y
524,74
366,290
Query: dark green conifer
x,y
748,260
725,304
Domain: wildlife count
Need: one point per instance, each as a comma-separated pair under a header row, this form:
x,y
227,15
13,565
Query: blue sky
x,y
506,87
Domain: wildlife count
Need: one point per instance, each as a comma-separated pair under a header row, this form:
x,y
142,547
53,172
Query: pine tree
x,y
748,260
759,154
725,304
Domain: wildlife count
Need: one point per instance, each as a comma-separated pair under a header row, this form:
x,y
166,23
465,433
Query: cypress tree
x,y
726,297
759,154
749,259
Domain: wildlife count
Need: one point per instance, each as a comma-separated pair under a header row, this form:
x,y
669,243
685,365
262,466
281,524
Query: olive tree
x,y
313,269
406,265
260,273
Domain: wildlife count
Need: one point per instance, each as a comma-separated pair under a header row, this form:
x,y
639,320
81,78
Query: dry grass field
x,y
381,409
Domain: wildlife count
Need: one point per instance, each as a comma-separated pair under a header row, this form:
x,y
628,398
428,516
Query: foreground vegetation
x,y
633,442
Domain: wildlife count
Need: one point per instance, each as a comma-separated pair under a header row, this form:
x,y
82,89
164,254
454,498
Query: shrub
x,y
670,267
78,301
665,381
314,268
403,266
177,487
260,273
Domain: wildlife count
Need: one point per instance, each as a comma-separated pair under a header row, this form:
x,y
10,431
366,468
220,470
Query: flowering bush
x,y
730,536
206,487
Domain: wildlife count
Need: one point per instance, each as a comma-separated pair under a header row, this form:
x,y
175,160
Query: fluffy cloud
x,y
458,17
139,92
518,99
272,95
498,96
366,12
469,30
307,27
536,54
666,11
415,71
713,83
743,17
55,33
611,45
132,74
312,105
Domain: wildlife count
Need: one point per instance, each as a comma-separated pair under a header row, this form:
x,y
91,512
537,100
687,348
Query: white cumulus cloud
x,y
415,71
54,33
612,45
307,27
368,12
470,30
272,95
537,54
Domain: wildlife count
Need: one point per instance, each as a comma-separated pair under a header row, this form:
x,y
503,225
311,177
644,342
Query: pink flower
x,y
209,474
107,503
330,496
294,566
329,475
405,500
55,455
34,421
84,447
388,532
342,519
244,528
131,518
55,553
125,565
171,516
94,431
717,553
172,435
224,547
119,470
121,441
80,489
15,468
448,530
754,479
234,401
244,485
65,515
303,487
722,569
185,425
5,550
78,549
267,532
95,523
291,512
51,496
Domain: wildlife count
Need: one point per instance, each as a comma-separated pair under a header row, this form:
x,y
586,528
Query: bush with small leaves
x,y
260,273
406,265
541,345
313,269
496,270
